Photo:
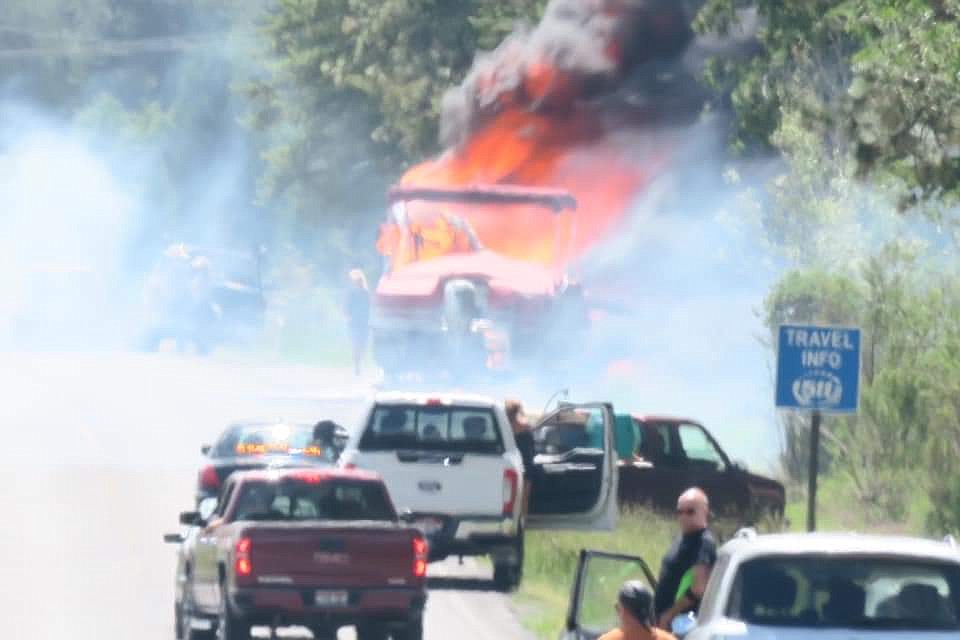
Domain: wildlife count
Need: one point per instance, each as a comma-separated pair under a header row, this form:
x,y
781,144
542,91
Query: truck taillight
x,y
510,482
209,479
419,557
242,564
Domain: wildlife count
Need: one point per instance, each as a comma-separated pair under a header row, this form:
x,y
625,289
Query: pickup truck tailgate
x,y
312,554
454,483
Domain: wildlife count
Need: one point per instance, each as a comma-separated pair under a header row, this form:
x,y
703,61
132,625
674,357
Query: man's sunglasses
x,y
686,512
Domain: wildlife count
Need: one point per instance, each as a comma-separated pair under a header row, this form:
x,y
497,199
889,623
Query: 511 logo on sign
x,y
818,388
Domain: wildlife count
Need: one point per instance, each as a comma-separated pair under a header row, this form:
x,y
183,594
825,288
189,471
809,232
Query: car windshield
x,y
299,500
848,591
276,439
432,428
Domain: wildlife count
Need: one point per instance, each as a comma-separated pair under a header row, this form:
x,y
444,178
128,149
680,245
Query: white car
x,y
847,586
451,463
793,586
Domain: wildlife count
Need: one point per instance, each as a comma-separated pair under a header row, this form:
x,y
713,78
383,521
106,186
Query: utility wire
x,y
120,48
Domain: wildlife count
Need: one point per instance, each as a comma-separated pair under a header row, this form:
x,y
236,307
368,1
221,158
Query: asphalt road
x,y
98,455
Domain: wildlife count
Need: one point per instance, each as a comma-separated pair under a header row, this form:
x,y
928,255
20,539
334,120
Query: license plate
x,y
429,526
330,598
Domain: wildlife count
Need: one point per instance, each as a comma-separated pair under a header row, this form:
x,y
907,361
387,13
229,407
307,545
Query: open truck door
x,y
598,579
574,476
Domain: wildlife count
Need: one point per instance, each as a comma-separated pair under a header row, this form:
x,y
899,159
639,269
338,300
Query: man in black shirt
x,y
686,566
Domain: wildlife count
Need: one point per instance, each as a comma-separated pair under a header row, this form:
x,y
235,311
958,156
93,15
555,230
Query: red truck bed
x,y
315,548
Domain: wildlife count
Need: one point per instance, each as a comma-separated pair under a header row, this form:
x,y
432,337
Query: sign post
x,y
814,466
818,370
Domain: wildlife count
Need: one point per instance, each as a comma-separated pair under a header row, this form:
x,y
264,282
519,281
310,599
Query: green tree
x,y
857,261
495,20
903,444
170,113
878,80
351,96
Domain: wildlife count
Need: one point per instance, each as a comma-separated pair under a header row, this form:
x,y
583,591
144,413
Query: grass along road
x,y
551,559
551,556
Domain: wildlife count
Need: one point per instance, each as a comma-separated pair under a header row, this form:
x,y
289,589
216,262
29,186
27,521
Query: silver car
x,y
847,586
793,586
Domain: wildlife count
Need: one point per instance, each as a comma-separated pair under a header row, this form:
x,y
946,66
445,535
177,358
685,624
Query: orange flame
x,y
540,131
428,235
525,148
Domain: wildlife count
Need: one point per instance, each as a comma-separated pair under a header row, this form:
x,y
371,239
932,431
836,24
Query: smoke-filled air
x,y
551,107
163,215
216,215
601,101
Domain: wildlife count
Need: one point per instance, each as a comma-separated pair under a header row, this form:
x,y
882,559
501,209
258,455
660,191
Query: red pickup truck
x,y
300,547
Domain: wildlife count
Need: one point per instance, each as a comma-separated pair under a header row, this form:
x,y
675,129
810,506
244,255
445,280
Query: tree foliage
x,y
877,79
494,21
859,97
906,438
352,95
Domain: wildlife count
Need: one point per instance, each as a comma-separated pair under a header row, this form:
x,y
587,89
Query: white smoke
x,y
65,225
680,285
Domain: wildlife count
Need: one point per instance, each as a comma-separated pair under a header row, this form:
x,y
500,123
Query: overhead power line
x,y
120,48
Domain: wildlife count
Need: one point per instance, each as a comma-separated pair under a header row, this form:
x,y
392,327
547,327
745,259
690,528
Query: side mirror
x,y
406,516
740,465
191,518
173,538
207,507
205,449
683,624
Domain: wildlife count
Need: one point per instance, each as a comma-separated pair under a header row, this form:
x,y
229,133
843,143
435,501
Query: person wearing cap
x,y
687,564
635,612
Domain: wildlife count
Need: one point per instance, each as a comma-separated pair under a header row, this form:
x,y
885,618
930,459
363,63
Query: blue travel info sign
x,y
818,368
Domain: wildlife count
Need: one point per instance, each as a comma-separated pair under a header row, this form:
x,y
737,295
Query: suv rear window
x,y
432,428
852,591
299,500
245,440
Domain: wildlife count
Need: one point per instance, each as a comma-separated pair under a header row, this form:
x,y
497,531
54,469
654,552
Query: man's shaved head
x,y
694,495
693,508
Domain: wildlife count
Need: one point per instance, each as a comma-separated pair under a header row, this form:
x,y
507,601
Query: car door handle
x,y
561,467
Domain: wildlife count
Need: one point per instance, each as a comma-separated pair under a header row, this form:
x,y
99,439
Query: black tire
x,y
177,622
507,576
183,614
229,625
412,631
371,632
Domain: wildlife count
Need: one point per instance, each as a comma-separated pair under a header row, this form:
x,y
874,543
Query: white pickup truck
x,y
451,465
